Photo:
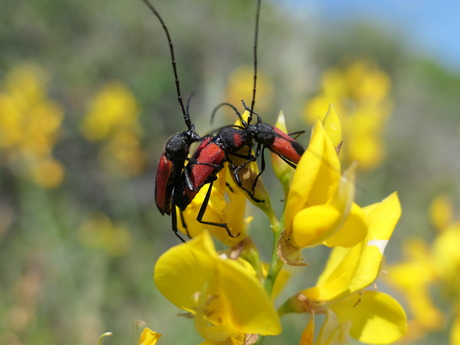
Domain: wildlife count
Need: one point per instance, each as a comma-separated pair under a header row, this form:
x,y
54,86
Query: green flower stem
x,y
276,264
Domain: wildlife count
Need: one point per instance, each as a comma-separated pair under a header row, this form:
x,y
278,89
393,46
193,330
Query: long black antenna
x,y
234,109
256,41
189,124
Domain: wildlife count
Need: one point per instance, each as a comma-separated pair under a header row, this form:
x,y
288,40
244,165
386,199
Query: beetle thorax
x,y
178,146
262,133
232,139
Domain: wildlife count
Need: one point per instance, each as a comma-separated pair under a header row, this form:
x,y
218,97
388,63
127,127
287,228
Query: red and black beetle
x,y
215,150
266,136
177,148
177,185
202,169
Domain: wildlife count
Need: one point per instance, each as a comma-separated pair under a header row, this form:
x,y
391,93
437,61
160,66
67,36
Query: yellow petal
x,y
149,337
333,127
313,224
352,231
376,318
316,178
455,332
236,302
282,170
308,333
181,272
227,205
382,218
226,298
352,269
316,224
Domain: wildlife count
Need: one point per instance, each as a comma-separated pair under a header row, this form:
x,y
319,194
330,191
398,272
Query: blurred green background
x,y
79,229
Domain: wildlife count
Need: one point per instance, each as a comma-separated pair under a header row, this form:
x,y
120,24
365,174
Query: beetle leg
x,y
174,222
199,218
184,224
292,165
296,134
262,167
235,172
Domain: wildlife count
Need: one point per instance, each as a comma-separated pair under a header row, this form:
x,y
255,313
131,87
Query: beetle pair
x,y
177,185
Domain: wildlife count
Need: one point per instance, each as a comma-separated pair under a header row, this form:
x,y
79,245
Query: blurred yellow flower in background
x,y
360,95
240,85
429,271
99,232
112,118
29,126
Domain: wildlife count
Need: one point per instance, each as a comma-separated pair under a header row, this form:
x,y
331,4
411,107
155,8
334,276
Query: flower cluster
x,y
29,126
360,94
231,294
428,268
112,118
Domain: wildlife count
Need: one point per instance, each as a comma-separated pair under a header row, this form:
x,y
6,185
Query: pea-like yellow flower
x,y
374,317
360,93
226,299
319,207
351,269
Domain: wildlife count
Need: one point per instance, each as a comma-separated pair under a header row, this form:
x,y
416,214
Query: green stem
x,y
276,264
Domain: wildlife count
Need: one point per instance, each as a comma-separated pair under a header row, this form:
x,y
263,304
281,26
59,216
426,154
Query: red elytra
x,y
162,185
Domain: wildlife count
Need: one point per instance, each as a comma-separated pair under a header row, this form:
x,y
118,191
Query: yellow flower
x,y
413,279
429,267
112,118
47,173
112,109
240,85
351,269
225,297
319,207
29,126
123,154
441,212
446,259
227,205
282,170
99,232
149,337
360,94
374,317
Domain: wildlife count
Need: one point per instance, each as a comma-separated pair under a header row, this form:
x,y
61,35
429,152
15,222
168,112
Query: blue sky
x,y
432,27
